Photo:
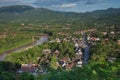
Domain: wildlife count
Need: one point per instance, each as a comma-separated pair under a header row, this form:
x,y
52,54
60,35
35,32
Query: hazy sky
x,y
66,5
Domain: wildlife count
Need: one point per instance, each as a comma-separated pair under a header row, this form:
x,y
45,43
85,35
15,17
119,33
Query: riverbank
x,y
21,48
15,46
24,47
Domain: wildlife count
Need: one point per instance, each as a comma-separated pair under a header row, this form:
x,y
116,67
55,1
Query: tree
x,y
26,76
7,76
53,62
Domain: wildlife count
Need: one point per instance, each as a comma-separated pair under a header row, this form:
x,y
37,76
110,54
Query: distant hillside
x,y
28,14
16,8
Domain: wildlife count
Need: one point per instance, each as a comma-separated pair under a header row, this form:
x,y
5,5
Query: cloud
x,y
91,2
49,3
69,5
8,2
16,2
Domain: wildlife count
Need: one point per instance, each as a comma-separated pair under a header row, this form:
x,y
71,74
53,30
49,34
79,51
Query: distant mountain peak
x,y
18,13
16,8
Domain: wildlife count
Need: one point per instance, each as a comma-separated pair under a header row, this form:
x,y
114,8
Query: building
x,y
79,52
79,63
104,33
69,66
56,53
112,32
30,68
46,51
58,40
64,61
119,42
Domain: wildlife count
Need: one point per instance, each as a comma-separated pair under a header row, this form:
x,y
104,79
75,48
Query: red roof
x,y
28,68
65,59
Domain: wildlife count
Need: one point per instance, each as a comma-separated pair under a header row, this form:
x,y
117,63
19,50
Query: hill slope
x,y
29,14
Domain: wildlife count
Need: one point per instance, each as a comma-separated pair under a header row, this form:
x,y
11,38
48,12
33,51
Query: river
x,y
86,50
41,40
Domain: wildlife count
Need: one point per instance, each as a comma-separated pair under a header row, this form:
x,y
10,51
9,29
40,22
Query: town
x,y
42,42
80,54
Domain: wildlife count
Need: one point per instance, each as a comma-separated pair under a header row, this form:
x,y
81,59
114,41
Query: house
x,y
73,59
119,42
80,32
79,63
69,66
76,45
104,33
79,52
93,38
88,37
52,41
30,68
78,57
58,40
64,61
97,39
65,39
106,39
111,59
56,53
46,51
112,32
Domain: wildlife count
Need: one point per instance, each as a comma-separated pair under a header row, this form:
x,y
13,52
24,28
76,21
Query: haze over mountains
x,y
24,13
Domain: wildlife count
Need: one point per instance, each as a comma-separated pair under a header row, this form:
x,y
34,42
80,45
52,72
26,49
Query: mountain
x,y
23,13
16,8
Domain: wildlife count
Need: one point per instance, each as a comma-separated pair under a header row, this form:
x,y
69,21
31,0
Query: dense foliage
x,y
40,15
66,49
18,26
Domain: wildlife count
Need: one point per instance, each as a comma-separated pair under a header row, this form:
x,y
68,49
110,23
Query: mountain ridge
x,y
26,13
16,8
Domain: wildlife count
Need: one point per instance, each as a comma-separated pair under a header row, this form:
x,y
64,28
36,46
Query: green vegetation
x,y
97,69
12,40
18,26
8,72
31,15
26,76
66,49
91,72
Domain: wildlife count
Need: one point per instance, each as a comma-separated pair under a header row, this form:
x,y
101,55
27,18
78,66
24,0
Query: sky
x,y
66,5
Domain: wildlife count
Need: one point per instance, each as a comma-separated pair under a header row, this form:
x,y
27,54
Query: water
x,y
86,55
86,50
41,40
24,47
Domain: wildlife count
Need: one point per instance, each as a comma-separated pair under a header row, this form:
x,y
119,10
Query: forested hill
x,y
17,9
23,13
